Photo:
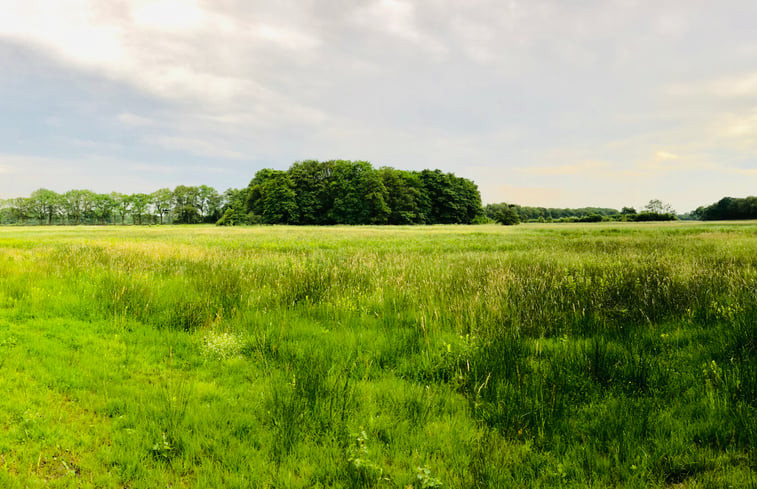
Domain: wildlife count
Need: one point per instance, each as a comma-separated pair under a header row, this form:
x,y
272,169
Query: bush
x,y
507,216
590,218
653,216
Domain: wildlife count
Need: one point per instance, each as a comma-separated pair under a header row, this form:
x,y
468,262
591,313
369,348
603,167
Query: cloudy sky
x,y
553,103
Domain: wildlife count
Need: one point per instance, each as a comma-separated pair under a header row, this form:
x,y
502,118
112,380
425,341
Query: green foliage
x,y
603,355
186,206
503,214
652,216
542,214
590,218
729,208
353,192
403,196
45,204
359,194
277,198
234,209
656,206
449,199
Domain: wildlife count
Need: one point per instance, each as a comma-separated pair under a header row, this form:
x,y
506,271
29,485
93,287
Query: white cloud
x,y
196,146
742,126
399,19
130,119
286,37
73,29
167,14
665,156
584,167
733,86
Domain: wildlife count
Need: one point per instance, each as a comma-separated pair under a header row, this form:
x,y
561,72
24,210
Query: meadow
x,y
544,355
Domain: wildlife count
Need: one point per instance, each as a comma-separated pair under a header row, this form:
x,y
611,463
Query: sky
x,y
565,103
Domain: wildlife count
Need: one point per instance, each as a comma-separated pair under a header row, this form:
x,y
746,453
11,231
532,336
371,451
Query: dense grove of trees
x,y
728,208
309,192
353,192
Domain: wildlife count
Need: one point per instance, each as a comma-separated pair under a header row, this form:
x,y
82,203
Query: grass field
x,y
601,355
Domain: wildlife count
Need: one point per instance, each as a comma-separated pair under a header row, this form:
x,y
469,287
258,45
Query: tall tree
x,y
162,200
279,200
103,206
186,204
234,207
123,204
359,194
140,204
46,203
22,209
311,185
656,206
403,193
208,203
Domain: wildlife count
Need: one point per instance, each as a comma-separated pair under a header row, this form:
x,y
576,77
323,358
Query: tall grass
x,y
548,355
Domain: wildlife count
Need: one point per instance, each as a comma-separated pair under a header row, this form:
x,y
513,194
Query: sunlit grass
x,y
605,355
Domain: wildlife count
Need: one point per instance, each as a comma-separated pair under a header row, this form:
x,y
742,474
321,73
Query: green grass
x,y
601,355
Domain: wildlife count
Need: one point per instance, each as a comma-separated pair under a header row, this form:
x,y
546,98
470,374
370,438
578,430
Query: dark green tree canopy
x,y
729,208
353,192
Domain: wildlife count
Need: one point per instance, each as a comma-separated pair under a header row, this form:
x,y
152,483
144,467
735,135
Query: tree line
x,y
509,214
330,192
309,192
728,208
184,204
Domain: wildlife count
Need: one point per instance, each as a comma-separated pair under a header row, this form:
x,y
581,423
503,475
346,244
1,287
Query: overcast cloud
x,y
553,103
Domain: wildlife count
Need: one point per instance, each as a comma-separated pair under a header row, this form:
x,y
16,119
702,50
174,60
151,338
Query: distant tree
x,y
46,203
729,208
162,200
208,203
451,200
103,207
234,207
653,216
311,186
505,214
403,195
186,204
279,200
656,206
359,194
655,210
75,204
21,209
122,204
590,218
6,213
139,207
88,206
626,211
